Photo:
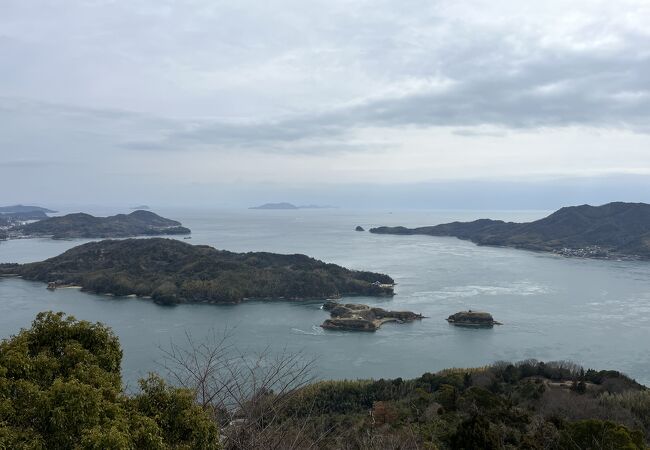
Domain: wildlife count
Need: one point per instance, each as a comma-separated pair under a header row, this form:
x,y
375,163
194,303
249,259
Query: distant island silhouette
x,y
286,205
21,209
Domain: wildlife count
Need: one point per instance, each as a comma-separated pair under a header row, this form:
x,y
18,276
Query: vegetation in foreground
x,y
171,271
60,387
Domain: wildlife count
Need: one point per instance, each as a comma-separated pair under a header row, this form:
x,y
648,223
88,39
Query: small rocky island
x,y
356,317
170,271
359,228
473,319
81,225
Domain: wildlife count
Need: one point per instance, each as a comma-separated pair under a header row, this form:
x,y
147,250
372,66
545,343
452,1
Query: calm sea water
x,y
596,313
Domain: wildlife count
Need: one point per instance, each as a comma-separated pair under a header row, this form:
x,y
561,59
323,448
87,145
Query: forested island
x,y
171,271
613,230
62,388
81,225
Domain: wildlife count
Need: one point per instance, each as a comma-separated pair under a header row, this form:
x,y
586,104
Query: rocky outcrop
x,y
472,318
356,317
359,228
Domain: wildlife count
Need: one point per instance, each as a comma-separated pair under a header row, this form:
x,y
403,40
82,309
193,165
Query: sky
x,y
410,103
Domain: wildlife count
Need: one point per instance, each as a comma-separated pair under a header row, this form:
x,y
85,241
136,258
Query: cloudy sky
x,y
423,103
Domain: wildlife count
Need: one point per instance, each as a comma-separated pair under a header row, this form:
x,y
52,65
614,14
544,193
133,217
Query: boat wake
x,y
315,331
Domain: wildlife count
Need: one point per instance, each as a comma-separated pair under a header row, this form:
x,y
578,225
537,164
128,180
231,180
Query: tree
x,y
252,395
595,434
60,387
474,433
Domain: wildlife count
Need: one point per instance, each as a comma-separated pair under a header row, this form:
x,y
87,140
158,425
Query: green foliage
x,y
345,397
495,407
474,433
180,419
599,434
60,388
637,402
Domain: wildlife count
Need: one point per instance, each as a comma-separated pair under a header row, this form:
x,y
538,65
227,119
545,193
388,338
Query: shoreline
x,y
556,252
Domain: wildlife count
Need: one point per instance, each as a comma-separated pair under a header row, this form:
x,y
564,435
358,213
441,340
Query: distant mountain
x,y
615,229
140,207
171,271
80,225
285,205
282,205
13,209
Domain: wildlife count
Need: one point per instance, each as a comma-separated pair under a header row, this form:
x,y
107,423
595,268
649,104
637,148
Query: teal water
x,y
596,313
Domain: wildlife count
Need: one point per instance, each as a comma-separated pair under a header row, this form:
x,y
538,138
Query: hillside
x,y
81,225
172,271
62,388
527,405
614,229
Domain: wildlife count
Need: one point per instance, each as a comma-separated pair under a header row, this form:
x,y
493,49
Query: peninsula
x,y
81,225
171,271
356,317
613,230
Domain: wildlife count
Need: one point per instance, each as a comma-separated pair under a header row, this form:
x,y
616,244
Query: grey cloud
x,y
304,77
471,132
553,90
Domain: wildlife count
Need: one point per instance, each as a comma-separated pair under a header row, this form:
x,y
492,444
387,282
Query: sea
x,y
592,312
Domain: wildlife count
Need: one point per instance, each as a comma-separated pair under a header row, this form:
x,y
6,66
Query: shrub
x,y
60,387
600,434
